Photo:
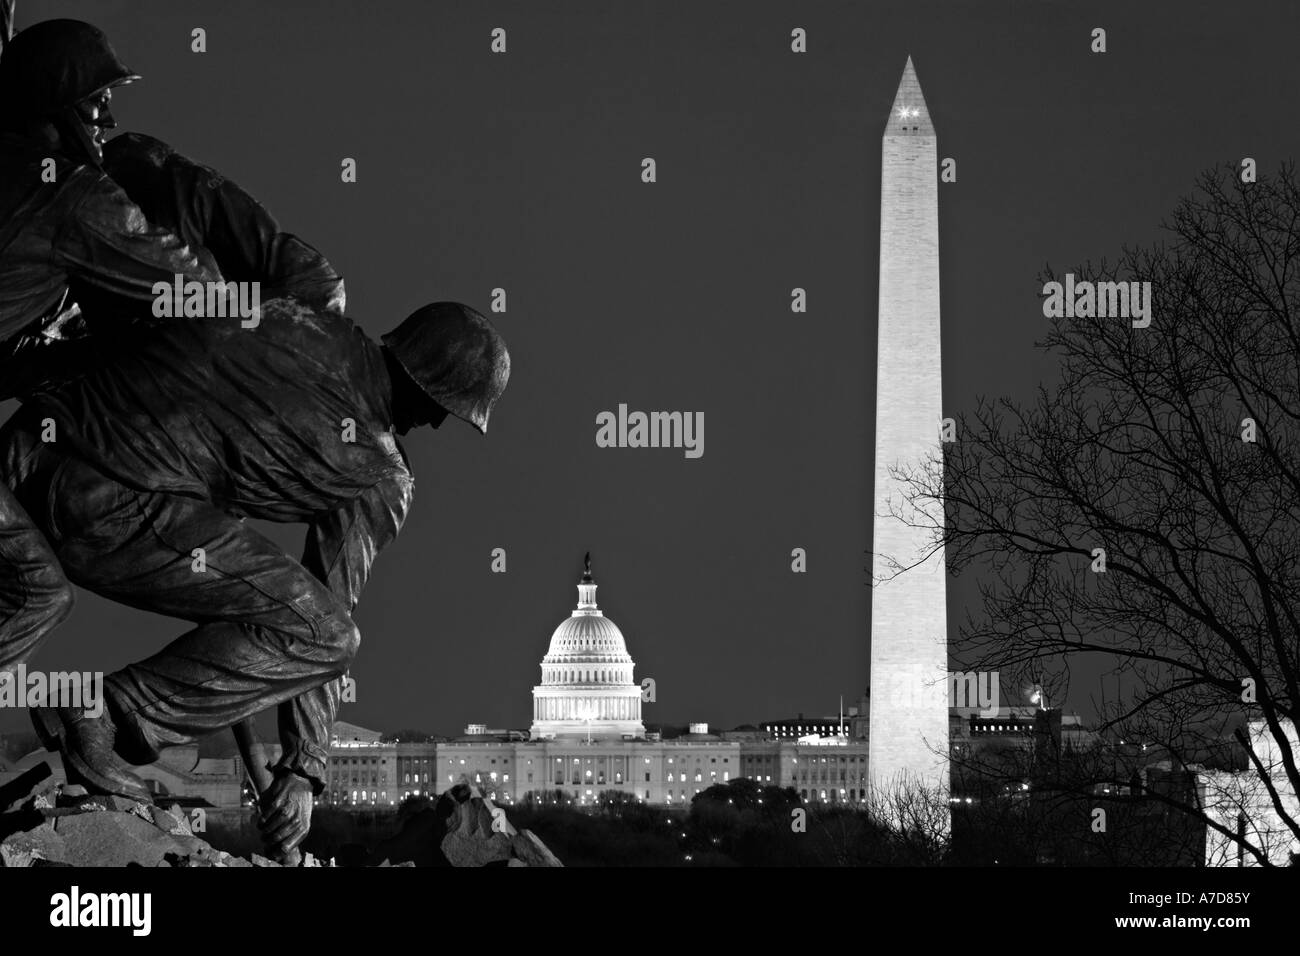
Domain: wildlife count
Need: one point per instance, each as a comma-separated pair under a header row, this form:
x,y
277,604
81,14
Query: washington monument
x,y
909,628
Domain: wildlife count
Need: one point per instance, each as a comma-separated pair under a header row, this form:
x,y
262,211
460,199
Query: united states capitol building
x,y
587,739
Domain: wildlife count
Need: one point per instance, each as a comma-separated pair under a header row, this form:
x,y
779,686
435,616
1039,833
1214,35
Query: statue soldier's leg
x,y
34,594
268,629
36,597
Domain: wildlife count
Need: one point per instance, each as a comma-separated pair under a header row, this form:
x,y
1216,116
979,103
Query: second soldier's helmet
x,y
456,357
53,64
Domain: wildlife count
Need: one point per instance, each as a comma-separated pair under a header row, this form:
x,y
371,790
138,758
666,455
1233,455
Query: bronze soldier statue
x,y
75,244
186,426
71,242
163,450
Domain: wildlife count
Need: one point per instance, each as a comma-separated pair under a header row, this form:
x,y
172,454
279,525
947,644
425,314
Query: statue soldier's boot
x,y
86,745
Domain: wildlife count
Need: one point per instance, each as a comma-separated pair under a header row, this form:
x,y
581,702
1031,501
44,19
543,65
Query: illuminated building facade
x,y
587,687
587,741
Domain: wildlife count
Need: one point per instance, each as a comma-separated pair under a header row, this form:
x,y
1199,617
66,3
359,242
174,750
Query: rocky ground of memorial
x,y
47,824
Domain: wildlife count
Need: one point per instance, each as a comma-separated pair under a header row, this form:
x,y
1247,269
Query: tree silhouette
x,y
1169,456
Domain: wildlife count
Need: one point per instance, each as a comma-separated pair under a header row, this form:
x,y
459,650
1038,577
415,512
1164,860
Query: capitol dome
x,y
587,687
587,637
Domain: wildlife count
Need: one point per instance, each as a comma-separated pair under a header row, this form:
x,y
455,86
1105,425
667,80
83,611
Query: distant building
x,y
587,683
587,741
969,729
344,734
1241,803
362,770
853,723
833,769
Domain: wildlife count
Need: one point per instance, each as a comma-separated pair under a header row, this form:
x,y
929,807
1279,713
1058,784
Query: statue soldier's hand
x,y
286,813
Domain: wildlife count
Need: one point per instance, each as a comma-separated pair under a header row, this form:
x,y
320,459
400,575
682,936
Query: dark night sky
x,y
523,171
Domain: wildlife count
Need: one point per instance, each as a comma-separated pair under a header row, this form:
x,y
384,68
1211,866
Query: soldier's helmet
x,y
456,357
53,64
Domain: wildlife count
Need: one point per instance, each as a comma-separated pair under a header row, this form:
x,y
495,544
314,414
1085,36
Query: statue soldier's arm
x,y
206,209
112,258
341,547
108,245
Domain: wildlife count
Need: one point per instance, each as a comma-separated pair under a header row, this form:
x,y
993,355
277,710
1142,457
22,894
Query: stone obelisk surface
x,y
909,630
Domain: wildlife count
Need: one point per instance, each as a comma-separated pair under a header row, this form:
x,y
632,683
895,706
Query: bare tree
x,y
913,818
1144,511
